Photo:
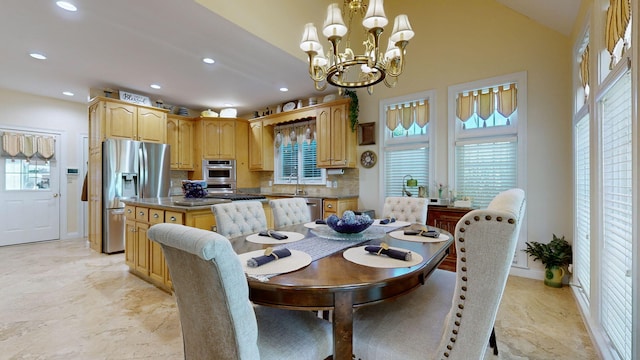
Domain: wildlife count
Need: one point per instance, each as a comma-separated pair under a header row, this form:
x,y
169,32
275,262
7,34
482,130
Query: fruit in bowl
x,y
194,188
350,223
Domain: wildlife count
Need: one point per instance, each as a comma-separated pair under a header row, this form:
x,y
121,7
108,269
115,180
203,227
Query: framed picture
x,y
367,133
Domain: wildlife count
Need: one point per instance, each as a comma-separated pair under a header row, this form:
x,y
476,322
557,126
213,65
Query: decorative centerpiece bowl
x,y
194,188
350,223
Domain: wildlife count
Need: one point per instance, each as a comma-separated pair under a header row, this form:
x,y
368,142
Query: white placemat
x,y
360,256
313,225
291,237
297,260
397,223
399,234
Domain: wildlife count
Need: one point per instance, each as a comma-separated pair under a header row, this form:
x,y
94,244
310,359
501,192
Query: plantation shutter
x,y
582,241
485,169
617,215
398,163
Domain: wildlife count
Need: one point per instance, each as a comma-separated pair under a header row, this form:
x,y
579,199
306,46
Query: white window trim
x,y
427,94
521,259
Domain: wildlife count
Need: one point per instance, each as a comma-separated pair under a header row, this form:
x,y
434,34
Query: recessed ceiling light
x,y
284,89
155,86
208,60
66,5
228,104
37,56
68,93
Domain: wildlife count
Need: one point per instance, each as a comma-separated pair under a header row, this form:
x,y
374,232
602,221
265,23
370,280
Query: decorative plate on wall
x,y
368,159
289,106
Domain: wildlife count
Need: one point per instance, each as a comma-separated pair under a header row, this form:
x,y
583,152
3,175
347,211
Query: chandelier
x,y
344,68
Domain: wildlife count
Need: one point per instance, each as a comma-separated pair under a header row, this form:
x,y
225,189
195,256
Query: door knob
x,y
55,195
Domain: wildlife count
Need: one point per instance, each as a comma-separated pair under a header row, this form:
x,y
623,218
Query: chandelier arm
x,y
317,73
375,52
390,84
335,56
396,66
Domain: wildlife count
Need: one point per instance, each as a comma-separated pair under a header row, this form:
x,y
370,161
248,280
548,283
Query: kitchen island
x,y
143,256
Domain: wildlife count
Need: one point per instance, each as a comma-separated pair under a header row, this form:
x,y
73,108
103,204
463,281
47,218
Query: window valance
x,y
407,114
483,103
295,132
15,144
618,17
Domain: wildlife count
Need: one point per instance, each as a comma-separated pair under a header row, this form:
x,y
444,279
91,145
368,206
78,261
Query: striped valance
x,y
407,114
17,145
483,103
618,18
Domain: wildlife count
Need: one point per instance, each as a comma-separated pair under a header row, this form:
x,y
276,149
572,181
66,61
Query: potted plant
x,y
554,255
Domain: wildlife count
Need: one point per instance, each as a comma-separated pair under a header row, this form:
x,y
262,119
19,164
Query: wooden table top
x,y
334,283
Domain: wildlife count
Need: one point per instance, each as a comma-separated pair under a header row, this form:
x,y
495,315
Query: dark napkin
x,y
275,255
321,222
273,234
430,233
387,221
392,253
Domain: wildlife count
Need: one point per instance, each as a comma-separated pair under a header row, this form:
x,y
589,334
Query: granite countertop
x,y
332,196
179,203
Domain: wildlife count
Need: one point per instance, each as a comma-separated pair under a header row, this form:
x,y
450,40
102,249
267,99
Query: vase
x,y
553,276
439,193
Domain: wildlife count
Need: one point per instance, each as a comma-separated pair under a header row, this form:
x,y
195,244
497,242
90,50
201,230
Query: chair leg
x,y
492,341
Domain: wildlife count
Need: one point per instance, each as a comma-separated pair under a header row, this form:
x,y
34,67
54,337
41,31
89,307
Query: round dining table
x,y
337,284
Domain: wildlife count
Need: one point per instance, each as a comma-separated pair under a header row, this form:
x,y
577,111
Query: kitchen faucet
x,y
297,192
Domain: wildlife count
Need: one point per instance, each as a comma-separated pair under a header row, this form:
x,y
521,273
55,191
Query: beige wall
x,y
24,111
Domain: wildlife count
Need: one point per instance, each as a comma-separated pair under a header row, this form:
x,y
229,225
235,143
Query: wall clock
x,y
368,159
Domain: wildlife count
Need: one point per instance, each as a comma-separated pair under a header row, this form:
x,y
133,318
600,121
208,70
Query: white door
x,y
29,199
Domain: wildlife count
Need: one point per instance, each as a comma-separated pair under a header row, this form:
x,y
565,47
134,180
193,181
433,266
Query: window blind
x,y
582,241
485,169
398,163
616,282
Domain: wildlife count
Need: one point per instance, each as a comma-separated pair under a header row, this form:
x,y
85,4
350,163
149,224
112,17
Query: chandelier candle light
x,y
346,69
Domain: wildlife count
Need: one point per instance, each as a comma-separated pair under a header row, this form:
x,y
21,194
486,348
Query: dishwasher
x,y
315,207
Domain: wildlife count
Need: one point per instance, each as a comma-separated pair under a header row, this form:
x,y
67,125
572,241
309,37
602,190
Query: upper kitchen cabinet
x,y
336,140
219,140
180,132
261,146
122,120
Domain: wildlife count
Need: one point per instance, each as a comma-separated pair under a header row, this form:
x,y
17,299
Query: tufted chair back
x,y
218,321
239,218
413,210
289,211
485,243
452,315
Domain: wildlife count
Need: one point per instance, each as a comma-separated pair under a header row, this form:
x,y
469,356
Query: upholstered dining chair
x,y
217,318
452,315
289,211
239,218
413,210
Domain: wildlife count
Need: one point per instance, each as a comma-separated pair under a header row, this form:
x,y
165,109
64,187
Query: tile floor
x,y
61,300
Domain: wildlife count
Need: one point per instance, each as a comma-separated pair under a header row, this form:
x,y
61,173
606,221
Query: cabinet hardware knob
x,y
173,218
330,206
156,216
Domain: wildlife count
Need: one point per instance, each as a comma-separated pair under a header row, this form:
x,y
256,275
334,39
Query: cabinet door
x,y
210,141
323,132
142,248
156,262
185,145
121,121
255,146
152,125
130,244
227,139
339,130
173,131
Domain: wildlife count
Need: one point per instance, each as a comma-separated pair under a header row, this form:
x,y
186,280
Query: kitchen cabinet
x,y
336,141
122,120
219,139
143,256
338,206
115,119
261,146
180,133
446,218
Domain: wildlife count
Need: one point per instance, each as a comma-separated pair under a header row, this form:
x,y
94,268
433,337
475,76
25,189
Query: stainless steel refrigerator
x,y
130,169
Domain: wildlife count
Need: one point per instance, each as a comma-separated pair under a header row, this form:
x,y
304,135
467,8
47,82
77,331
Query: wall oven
x,y
220,175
